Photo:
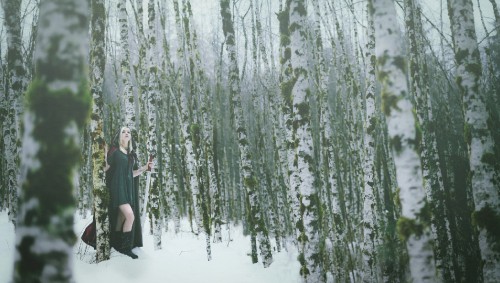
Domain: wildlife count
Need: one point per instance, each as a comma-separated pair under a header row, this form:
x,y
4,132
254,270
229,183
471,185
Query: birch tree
x,y
305,183
484,175
433,184
249,179
15,84
202,127
184,113
3,112
152,143
190,128
139,66
370,225
128,94
285,130
84,191
413,225
58,107
168,142
97,63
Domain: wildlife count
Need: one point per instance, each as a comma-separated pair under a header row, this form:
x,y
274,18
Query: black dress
x,y
123,189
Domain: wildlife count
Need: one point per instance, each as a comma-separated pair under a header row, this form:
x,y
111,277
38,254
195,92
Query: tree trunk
x,y
184,112
152,111
370,221
59,105
100,192
15,85
142,83
249,180
128,95
414,224
84,186
285,130
485,178
305,183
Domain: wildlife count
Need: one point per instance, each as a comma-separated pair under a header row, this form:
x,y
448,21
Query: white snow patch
x,y
182,259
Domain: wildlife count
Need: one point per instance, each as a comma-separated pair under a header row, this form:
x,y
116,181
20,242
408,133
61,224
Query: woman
x,y
124,201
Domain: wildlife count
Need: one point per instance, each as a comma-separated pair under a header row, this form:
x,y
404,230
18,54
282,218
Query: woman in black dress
x,y
124,201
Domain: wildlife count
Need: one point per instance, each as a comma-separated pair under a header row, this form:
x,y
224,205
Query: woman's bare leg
x,y
128,213
119,221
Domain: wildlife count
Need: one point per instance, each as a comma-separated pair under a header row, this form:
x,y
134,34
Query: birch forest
x,y
364,134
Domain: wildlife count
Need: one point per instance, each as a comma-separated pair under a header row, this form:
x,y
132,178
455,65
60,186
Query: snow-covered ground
x,y
182,259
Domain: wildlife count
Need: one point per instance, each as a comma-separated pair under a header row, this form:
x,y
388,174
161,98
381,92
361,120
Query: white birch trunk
x,y
183,107
249,179
59,105
485,178
100,192
370,224
15,86
285,134
413,225
433,184
128,94
191,161
195,75
308,233
141,67
152,143
213,189
199,92
170,187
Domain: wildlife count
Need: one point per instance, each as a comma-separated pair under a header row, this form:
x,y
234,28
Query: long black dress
x,y
123,189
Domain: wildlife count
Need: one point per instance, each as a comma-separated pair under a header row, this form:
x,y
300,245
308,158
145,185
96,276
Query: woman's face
x,y
125,136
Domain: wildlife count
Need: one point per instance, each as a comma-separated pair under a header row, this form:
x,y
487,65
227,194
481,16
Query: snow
x,y
182,259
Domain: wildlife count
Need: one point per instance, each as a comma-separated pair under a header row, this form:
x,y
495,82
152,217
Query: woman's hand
x,y
149,166
142,169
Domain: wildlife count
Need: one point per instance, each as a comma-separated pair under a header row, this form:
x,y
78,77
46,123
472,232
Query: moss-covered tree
x,y
129,119
414,223
249,178
483,164
152,140
433,180
58,106
305,183
100,192
15,85
371,232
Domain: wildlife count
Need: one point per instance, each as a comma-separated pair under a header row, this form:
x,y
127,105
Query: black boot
x,y
114,239
125,245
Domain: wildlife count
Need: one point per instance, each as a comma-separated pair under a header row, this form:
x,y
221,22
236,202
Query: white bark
x,y
128,94
485,179
184,112
152,143
370,225
248,176
169,177
402,132
285,131
213,188
15,86
97,61
45,236
431,170
309,238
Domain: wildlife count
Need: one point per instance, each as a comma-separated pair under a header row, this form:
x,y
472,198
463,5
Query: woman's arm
x,y
142,169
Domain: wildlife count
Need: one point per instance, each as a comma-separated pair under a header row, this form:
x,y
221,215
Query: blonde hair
x,y
129,146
